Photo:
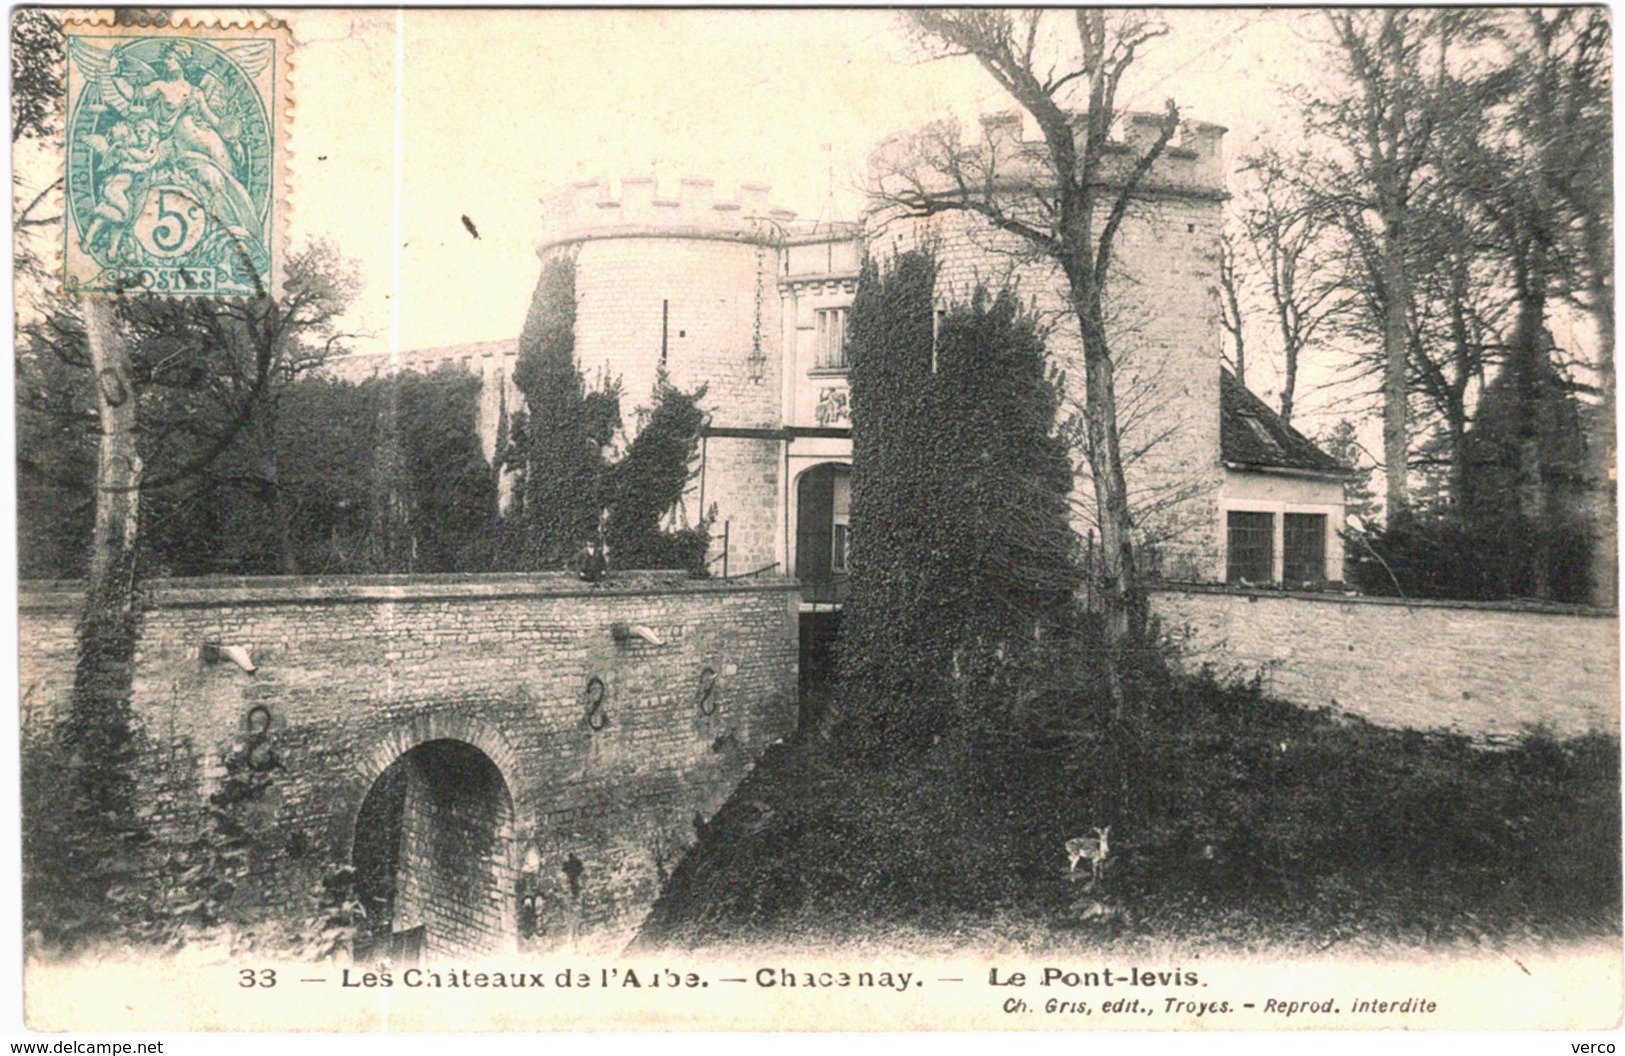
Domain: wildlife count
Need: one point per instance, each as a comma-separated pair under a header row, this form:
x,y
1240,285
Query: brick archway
x,y
435,853
443,726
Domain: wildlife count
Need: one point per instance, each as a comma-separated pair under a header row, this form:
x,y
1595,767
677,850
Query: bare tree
x,y
1458,311
1231,316
1065,200
1516,172
1282,224
1394,62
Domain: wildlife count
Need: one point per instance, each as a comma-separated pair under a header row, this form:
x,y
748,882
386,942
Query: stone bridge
x,y
508,762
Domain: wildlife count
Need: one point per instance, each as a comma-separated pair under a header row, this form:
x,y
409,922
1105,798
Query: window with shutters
x,y
831,323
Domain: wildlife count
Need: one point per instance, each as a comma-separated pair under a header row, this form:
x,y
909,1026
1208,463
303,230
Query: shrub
x,y
1438,557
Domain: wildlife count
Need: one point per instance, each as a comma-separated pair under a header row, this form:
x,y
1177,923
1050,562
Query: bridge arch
x,y
434,841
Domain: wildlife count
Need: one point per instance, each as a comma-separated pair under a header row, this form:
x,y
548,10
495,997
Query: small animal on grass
x,y
1093,848
1095,911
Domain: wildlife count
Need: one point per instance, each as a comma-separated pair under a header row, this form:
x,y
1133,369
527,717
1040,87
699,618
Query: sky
x,y
405,122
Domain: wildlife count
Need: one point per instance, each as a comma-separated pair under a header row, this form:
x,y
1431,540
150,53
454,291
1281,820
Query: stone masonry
x,y
533,738
1489,671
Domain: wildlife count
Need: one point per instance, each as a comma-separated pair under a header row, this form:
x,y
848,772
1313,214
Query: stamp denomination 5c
x,y
176,167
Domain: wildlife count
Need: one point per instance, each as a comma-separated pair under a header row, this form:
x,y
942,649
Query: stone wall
x,y
742,481
1487,671
608,745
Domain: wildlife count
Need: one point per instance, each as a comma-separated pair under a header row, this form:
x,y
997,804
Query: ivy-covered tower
x,y
1163,315
705,288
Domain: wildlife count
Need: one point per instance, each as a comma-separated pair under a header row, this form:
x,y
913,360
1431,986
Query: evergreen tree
x,y
558,442
1342,444
963,556
1534,525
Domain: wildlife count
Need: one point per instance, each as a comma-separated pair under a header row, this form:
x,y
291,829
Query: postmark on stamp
x,y
176,159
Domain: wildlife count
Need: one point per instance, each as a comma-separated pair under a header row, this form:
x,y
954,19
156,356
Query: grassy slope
x,y
1245,824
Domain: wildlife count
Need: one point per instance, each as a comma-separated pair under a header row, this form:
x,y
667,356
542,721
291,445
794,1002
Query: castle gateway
x,y
735,294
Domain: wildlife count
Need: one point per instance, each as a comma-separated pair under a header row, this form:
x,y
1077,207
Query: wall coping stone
x,y
1526,606
224,591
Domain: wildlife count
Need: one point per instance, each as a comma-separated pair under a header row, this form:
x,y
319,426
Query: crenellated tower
x,y
688,283
684,282
1163,309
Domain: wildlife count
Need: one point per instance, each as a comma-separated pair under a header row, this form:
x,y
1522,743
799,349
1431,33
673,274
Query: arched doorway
x,y
434,856
823,532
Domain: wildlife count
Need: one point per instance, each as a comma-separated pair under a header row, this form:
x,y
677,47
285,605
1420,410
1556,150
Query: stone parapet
x,y
635,208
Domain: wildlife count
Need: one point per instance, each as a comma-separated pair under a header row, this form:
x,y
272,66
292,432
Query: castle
x,y
744,298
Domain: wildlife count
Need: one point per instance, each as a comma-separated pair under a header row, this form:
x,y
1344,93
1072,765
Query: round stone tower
x,y
688,284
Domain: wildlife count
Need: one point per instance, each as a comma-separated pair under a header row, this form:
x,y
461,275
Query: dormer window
x,y
1261,433
831,324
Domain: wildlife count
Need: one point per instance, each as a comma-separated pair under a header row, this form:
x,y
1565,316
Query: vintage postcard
x,y
802,520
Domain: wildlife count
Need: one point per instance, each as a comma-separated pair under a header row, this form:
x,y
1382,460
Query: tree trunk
x,y
1123,609
270,491
276,507
1604,471
1461,474
1395,350
98,849
1454,398
1291,343
1231,306
118,468
1289,386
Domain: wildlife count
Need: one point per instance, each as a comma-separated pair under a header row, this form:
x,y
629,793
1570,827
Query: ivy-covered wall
x,y
571,492
962,556
1163,313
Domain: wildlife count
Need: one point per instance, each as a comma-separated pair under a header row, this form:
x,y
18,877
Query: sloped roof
x,y
1252,434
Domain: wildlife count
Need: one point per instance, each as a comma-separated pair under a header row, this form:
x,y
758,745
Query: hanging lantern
x,y
757,361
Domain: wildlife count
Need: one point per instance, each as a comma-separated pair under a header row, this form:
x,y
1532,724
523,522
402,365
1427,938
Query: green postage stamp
x,y
176,159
